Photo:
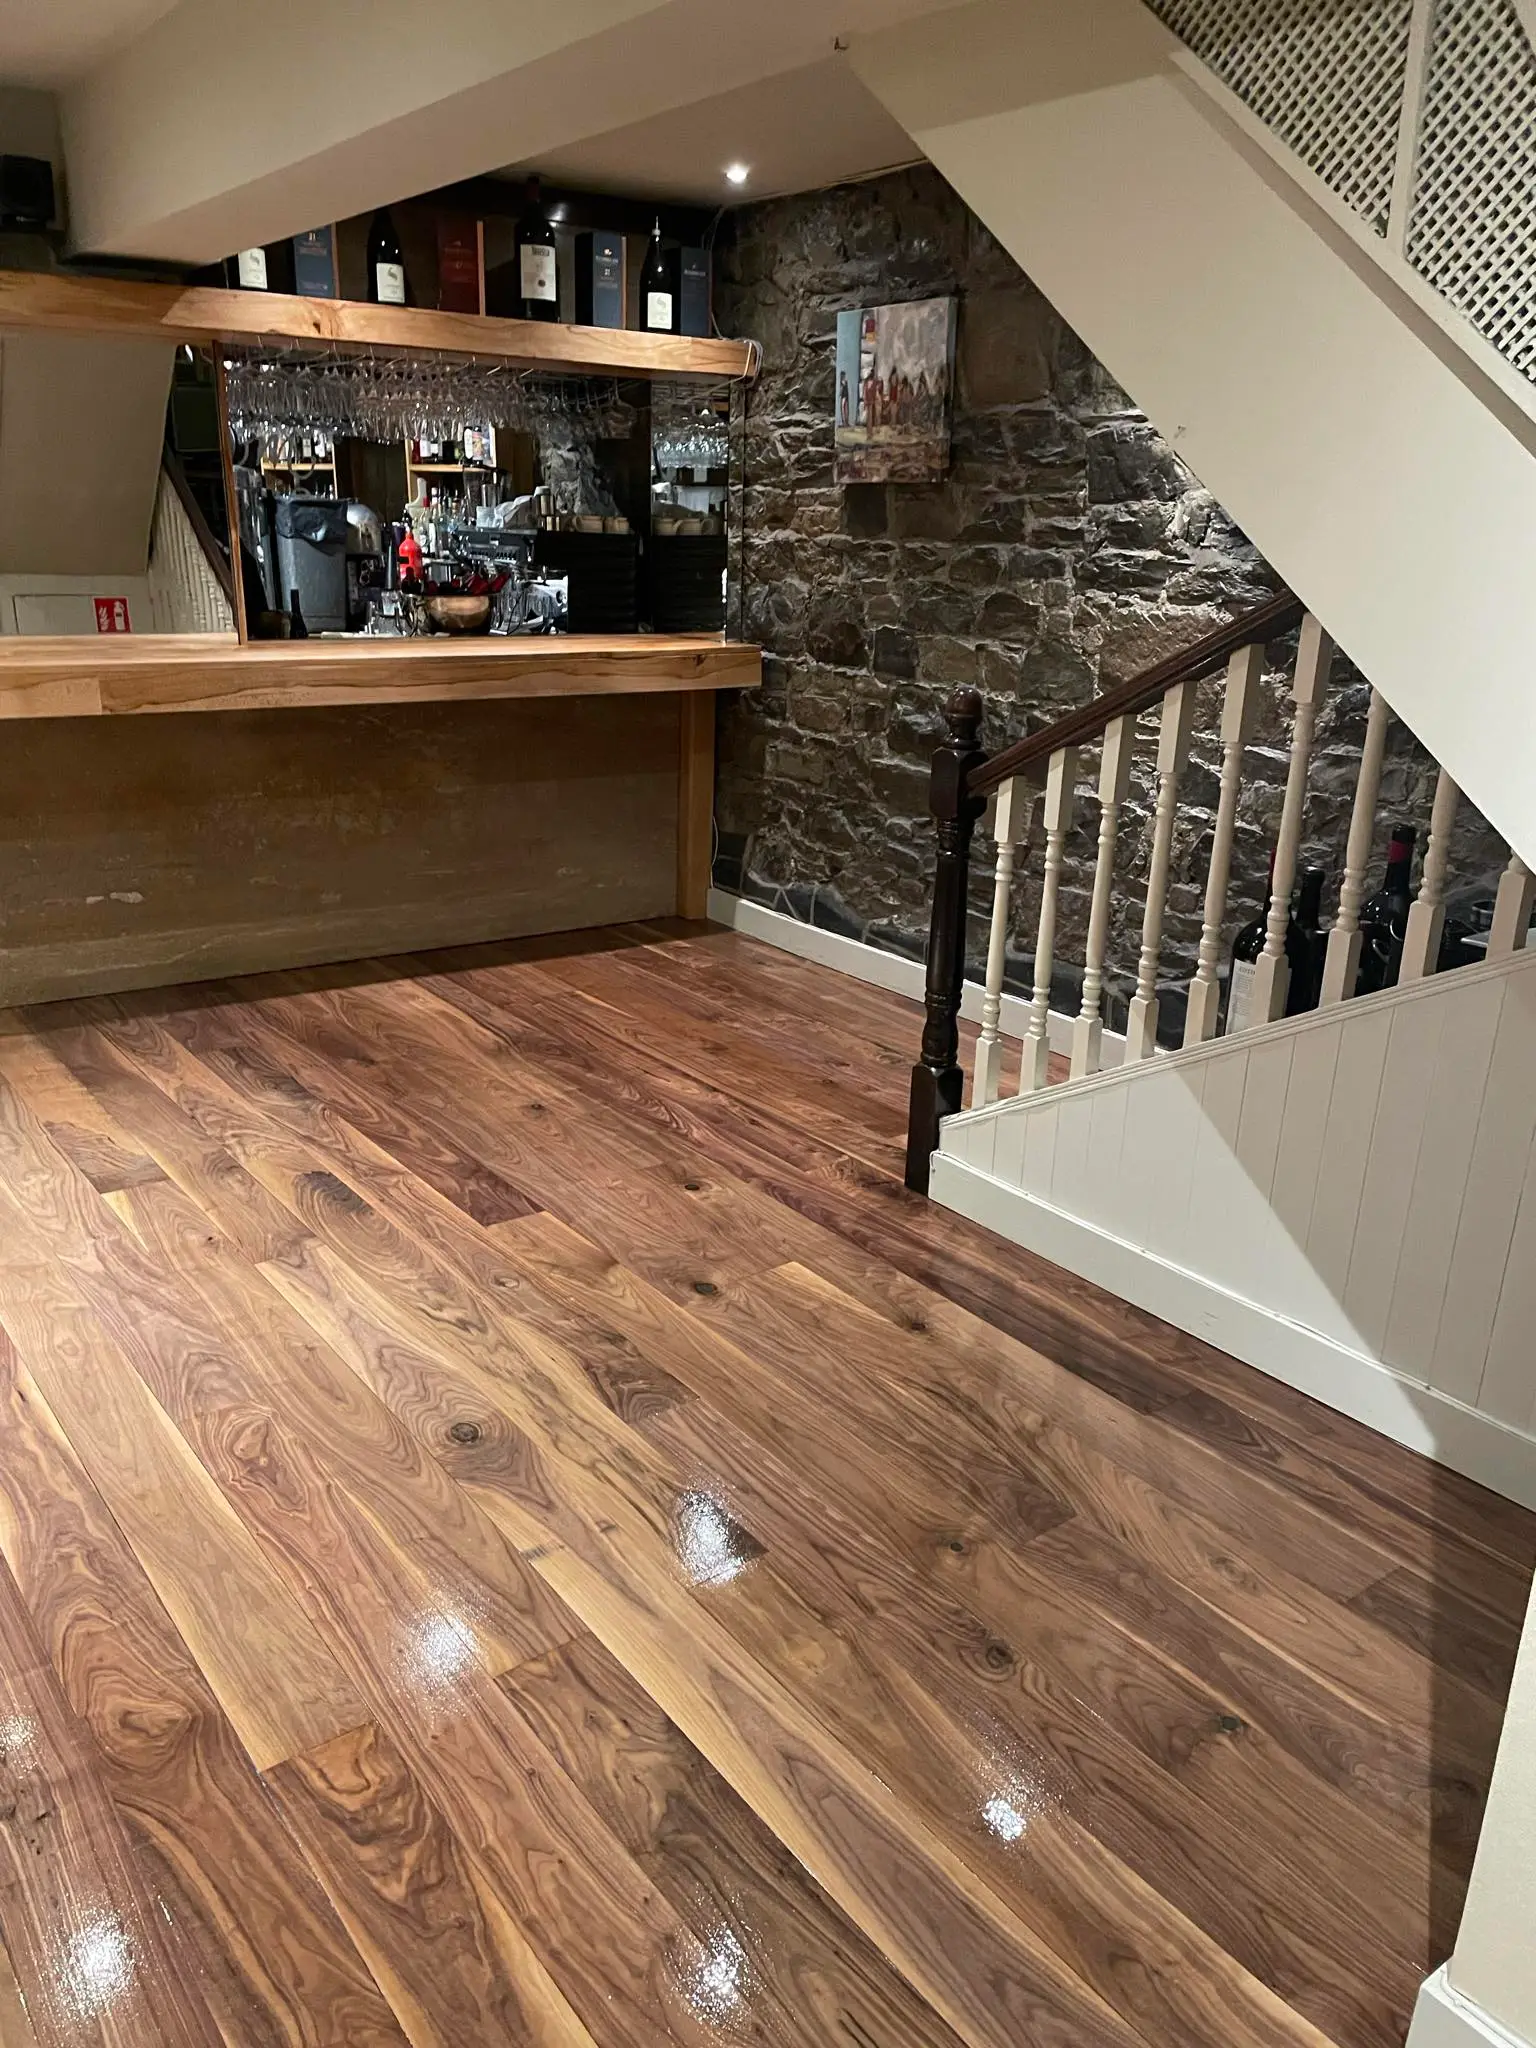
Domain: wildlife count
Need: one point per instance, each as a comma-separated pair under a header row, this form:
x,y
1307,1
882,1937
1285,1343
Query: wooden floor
x,y
519,1529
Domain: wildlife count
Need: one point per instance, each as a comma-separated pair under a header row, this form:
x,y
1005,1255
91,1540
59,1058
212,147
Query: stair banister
x,y
1114,784
1271,981
1239,713
1426,916
961,779
1009,823
1341,964
937,1082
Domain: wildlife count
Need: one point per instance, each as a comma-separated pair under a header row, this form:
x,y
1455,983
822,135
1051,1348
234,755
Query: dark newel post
x,y
937,1081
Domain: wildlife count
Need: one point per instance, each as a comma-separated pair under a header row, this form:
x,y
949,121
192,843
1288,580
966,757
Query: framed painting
x,y
895,375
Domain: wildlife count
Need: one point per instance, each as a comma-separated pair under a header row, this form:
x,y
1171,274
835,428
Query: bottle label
x,y
390,280
658,312
536,271
1240,995
251,269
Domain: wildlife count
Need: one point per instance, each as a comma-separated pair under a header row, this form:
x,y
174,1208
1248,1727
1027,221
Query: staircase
x,y
1337,1196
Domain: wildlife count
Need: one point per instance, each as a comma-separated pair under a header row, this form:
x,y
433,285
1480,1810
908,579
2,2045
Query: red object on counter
x,y
410,555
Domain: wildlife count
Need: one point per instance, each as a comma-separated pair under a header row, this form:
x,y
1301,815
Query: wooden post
x,y
1272,975
1173,739
1426,919
1512,910
1238,712
1342,962
231,494
1060,776
1009,824
1114,781
937,1082
695,800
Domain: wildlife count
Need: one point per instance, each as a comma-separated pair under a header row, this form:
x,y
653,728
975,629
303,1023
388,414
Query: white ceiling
x,y
50,42
796,131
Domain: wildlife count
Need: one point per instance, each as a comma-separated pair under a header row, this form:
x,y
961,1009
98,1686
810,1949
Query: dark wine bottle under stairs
x,y
1304,943
297,630
1384,917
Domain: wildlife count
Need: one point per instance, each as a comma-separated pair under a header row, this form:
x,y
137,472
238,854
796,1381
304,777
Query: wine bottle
x,y
1304,943
658,301
1246,950
248,271
1384,917
297,630
538,286
386,264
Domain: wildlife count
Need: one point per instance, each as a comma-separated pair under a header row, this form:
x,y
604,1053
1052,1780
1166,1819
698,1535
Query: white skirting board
x,y
1442,2018
893,971
1425,1420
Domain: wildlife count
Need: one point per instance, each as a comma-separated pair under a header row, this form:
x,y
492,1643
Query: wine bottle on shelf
x,y
297,630
538,279
386,263
658,300
1246,949
248,270
1304,944
1384,917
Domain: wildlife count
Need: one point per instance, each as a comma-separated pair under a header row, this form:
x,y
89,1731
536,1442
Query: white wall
x,y
1347,1200
1495,1959
1392,487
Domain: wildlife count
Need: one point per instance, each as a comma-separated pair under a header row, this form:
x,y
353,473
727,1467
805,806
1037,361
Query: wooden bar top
x,y
111,677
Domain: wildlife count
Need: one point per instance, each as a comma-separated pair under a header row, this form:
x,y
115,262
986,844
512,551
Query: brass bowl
x,y
459,614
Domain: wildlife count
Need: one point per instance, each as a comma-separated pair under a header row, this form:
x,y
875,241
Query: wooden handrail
x,y
1277,615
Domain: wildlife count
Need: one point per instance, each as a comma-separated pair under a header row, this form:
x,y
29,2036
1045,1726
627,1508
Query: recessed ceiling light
x,y
736,174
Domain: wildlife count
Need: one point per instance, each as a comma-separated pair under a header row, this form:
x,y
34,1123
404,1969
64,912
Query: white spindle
x,y
1114,781
1238,712
1426,919
1009,824
1342,962
1172,752
1272,974
1060,777
1512,910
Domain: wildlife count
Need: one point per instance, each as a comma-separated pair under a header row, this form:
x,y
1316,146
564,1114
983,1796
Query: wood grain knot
x,y
705,1287
465,1432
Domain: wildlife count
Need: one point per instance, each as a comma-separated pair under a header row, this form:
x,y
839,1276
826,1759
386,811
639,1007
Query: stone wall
x,y
1068,548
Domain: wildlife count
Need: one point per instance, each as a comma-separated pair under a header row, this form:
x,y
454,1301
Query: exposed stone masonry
x,y
1067,549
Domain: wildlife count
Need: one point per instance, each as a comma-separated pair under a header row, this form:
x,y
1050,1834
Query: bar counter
x,y
353,798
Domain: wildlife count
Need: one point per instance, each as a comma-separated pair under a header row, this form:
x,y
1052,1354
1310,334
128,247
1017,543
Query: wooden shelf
x,y
112,677
205,314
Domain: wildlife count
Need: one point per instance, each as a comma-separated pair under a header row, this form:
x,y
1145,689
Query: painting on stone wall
x,y
895,374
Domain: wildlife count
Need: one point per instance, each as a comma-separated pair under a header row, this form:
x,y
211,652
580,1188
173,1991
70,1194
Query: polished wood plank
x,y
247,1922
451,1959
80,1923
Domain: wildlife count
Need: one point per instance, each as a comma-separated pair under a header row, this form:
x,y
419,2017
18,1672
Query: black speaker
x,y
26,191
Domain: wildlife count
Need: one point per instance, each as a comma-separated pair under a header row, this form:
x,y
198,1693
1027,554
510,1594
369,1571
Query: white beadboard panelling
x,y
1469,1029
1250,1253
1505,1135
1401,1109
1008,1159
1293,1195
1346,1154
1106,1137
1210,1221
1039,1167
1157,1160
1070,1186
1507,1388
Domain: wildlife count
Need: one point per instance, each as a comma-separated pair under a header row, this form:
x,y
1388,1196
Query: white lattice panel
x,y
1325,75
1472,231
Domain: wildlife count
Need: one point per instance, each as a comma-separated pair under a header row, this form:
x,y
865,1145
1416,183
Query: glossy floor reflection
x,y
517,1528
